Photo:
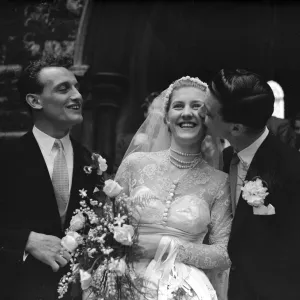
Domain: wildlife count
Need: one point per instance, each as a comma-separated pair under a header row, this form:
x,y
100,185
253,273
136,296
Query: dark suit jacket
x,y
28,204
265,250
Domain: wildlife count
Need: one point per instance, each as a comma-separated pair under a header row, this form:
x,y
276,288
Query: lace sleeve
x,y
215,254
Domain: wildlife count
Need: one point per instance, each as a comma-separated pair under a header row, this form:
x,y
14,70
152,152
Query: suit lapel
x,y
37,172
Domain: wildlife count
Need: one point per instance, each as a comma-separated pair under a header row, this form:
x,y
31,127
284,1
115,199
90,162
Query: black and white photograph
x,y
149,150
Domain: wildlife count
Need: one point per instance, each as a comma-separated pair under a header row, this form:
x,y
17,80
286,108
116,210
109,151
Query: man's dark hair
x,y
29,83
244,96
148,100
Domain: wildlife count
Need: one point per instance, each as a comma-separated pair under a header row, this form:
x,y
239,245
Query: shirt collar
x,y
46,141
247,154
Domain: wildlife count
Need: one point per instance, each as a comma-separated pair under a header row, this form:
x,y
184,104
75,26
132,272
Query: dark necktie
x,y
233,174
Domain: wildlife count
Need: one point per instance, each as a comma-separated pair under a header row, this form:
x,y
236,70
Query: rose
x,y
112,188
70,241
124,234
254,192
102,165
77,222
85,279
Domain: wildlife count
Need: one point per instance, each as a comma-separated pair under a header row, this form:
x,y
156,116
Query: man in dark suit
x,y
41,174
264,241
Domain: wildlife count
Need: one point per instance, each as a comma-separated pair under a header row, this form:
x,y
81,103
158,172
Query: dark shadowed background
x,y
125,50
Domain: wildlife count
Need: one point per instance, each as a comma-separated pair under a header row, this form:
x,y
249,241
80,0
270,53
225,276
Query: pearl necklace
x,y
185,154
184,164
180,161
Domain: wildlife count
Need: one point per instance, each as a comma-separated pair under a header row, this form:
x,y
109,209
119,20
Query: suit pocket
x,y
264,228
264,222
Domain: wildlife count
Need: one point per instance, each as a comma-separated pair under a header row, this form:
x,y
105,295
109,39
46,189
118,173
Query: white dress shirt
x,y
246,156
46,143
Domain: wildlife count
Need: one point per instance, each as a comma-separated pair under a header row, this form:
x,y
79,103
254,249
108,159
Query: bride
x,y
178,196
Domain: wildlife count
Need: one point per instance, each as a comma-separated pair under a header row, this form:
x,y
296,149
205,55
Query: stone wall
x,y
31,29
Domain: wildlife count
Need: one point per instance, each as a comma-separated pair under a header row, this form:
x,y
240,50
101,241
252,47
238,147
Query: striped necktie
x,y
60,179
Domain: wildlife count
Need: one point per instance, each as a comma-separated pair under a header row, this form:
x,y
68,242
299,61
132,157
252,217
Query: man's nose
x,y
76,94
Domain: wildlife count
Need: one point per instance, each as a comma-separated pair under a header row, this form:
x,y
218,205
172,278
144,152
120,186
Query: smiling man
x,y
41,175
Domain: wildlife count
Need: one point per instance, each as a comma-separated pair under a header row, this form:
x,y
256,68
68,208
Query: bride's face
x,y
183,118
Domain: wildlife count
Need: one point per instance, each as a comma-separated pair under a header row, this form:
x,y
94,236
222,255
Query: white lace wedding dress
x,y
174,218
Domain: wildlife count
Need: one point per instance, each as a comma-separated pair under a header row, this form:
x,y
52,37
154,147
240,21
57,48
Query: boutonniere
x,y
98,164
255,192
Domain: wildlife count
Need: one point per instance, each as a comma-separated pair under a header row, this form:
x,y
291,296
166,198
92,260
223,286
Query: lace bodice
x,y
186,207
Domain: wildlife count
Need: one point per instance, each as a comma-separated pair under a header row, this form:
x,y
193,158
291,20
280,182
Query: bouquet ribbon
x,y
168,272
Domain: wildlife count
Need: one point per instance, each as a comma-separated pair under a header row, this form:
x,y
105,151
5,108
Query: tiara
x,y
188,78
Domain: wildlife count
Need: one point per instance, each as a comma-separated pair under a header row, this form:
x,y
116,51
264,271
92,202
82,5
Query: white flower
x,y
94,220
87,169
96,190
82,203
107,251
83,193
91,252
102,163
112,188
70,241
124,234
93,202
77,222
102,166
85,279
254,192
101,239
120,220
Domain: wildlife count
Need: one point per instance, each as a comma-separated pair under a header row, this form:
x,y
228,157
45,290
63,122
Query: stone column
x,y
108,92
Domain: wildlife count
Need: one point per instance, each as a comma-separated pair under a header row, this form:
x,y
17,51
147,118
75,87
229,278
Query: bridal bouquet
x,y
102,242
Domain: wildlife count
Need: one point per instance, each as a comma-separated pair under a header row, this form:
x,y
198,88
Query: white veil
x,y
153,134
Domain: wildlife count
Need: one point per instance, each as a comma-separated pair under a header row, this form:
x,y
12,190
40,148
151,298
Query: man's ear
x,y
34,101
237,129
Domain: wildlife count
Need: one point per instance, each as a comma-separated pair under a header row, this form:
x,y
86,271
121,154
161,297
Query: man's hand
x,y
47,249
